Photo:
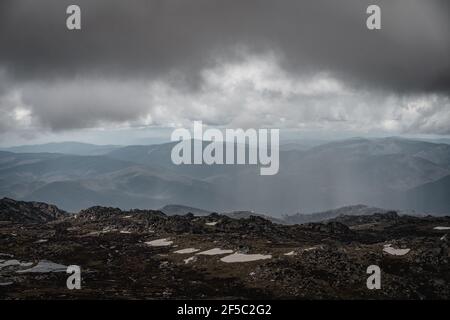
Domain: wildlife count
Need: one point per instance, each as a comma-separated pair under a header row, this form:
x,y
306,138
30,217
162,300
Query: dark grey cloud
x,y
308,65
160,38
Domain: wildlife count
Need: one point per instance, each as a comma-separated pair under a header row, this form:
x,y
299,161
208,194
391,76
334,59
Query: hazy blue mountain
x,y
437,140
70,195
75,182
334,175
301,144
433,197
356,210
387,173
10,159
54,167
70,147
160,155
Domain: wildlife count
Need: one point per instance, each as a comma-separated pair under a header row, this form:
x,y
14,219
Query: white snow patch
x,y
290,253
187,250
6,283
211,223
215,251
312,248
125,231
159,243
242,257
441,228
190,259
41,241
15,262
395,252
105,230
127,217
45,266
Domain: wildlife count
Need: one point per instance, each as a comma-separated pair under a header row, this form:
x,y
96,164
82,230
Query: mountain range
x,y
391,172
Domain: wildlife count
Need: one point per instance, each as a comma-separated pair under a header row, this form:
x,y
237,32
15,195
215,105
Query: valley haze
x,y
391,173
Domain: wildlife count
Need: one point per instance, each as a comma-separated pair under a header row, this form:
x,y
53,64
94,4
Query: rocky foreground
x,y
144,254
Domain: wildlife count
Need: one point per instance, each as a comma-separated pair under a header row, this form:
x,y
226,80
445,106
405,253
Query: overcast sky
x,y
139,67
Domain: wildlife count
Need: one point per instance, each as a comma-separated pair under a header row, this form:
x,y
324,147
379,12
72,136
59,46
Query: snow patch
x,y
14,262
187,250
312,248
45,266
242,257
441,228
395,252
190,259
159,243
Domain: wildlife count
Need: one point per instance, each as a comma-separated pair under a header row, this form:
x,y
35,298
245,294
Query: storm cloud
x,y
240,62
